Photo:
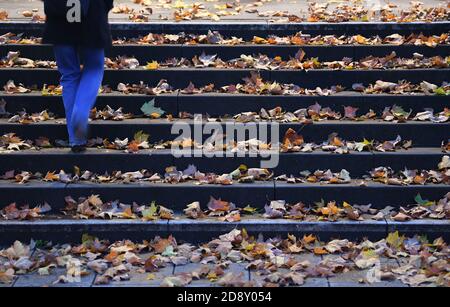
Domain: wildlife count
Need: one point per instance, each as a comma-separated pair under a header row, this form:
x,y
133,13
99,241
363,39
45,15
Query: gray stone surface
x,y
142,279
192,267
233,267
354,278
36,280
312,281
165,12
7,285
258,279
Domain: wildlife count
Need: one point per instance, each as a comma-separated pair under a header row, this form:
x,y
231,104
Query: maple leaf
x,y
219,205
149,109
395,240
51,176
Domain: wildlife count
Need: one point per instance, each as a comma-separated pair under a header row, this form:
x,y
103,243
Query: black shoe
x,y
78,148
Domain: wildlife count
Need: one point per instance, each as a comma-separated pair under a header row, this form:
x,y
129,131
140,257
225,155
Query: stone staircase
x,y
425,152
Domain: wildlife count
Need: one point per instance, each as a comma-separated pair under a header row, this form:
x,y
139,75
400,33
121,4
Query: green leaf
x,y
423,202
141,137
440,91
238,172
149,109
168,252
398,111
86,238
149,213
249,210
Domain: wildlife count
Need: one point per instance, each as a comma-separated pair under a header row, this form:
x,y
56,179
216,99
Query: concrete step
x,y
192,231
103,160
431,134
181,77
146,53
257,194
217,104
248,29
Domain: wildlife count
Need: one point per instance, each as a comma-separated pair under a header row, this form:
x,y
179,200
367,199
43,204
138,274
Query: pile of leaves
x,y
318,176
109,113
406,177
10,141
277,261
299,38
313,113
94,207
423,209
382,174
316,112
12,38
25,118
254,85
294,142
242,174
345,12
299,61
161,88
13,59
11,212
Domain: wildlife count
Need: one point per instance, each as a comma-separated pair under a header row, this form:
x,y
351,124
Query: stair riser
x,y
198,232
180,78
358,165
99,163
422,135
249,29
177,197
160,53
379,196
219,105
182,234
129,103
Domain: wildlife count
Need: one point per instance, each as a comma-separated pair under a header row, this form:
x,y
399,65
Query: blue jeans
x,y
80,86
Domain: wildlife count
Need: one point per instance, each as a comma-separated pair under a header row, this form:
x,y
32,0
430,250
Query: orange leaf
x,y
320,251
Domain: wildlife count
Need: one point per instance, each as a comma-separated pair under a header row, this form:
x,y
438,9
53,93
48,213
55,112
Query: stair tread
x,y
101,151
63,221
207,69
354,184
163,121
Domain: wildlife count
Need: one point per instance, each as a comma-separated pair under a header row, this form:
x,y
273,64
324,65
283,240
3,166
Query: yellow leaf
x,y
152,65
395,240
259,40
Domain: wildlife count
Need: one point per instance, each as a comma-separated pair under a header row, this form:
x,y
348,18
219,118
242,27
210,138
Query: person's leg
x,y
90,82
69,68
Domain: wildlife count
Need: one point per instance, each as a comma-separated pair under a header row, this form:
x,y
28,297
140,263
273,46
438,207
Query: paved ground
x,y
248,10
137,278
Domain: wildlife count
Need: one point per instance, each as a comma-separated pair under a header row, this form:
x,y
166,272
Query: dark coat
x,y
92,31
